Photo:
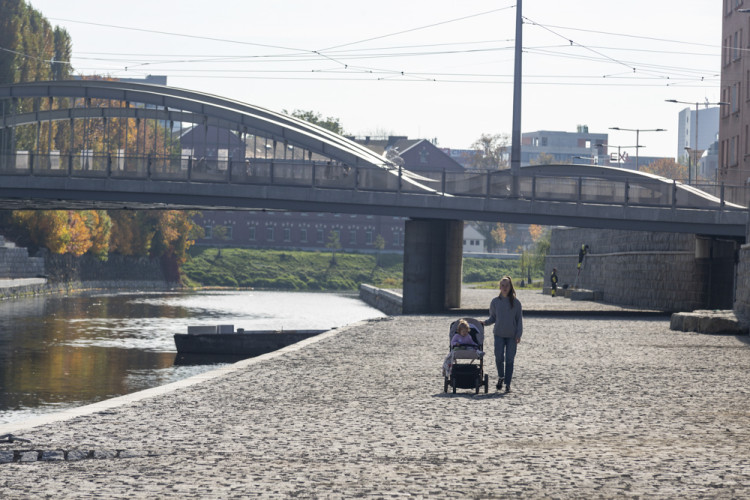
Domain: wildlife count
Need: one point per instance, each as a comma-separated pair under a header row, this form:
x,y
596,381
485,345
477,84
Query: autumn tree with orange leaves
x,y
666,167
66,231
165,234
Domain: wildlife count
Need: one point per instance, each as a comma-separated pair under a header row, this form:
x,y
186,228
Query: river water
x,y
58,352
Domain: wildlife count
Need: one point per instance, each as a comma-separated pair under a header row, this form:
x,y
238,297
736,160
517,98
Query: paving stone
x,y
6,456
602,407
29,456
103,454
52,455
75,455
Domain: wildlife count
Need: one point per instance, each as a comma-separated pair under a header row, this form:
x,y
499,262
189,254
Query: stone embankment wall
x,y
22,275
15,262
384,300
634,268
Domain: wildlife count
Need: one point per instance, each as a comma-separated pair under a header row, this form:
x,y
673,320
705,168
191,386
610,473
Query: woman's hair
x,y
511,290
462,324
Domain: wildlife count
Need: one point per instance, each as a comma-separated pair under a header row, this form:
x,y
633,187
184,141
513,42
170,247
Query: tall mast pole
x,y
515,148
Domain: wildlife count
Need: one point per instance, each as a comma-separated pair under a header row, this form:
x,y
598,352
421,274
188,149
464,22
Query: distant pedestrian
x,y
553,281
582,253
507,315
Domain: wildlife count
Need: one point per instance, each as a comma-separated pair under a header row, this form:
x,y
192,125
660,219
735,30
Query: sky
x,y
437,69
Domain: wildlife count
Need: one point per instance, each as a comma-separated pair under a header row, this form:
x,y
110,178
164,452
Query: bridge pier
x,y
433,253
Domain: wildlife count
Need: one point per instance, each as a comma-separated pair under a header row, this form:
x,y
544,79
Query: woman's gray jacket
x,y
508,320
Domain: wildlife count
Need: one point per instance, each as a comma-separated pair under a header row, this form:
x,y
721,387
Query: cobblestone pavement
x,y
602,407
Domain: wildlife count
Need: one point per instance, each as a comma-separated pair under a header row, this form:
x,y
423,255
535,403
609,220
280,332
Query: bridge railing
x,y
331,175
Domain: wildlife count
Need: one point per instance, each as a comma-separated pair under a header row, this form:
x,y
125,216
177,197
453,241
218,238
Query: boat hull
x,y
239,344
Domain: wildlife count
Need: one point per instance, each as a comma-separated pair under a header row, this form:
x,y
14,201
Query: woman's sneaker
x,y
499,384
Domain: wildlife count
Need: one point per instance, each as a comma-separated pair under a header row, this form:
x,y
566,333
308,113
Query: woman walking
x,y
507,315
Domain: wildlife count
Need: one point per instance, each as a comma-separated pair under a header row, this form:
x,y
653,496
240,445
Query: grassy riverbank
x,y
294,270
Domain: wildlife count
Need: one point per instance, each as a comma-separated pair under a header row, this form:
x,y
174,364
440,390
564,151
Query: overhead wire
x,y
346,59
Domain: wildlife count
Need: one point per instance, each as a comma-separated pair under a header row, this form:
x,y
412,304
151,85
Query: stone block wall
x,y
15,262
116,269
633,268
386,301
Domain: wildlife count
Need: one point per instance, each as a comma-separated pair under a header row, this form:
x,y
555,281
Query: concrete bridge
x,y
108,145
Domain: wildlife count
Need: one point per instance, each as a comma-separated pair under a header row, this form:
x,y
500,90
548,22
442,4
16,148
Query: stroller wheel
x,y
445,384
486,383
477,385
453,383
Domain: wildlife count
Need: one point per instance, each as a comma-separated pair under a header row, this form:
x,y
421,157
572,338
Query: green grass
x,y
289,270
296,270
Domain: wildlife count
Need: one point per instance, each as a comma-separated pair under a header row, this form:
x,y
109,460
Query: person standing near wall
x,y
507,316
553,281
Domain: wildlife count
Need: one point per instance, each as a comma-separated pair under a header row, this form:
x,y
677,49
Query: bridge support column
x,y
718,259
433,262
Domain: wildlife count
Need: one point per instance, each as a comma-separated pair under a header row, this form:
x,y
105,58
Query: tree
x,y
490,152
379,245
543,159
666,167
72,232
536,232
499,234
328,123
334,244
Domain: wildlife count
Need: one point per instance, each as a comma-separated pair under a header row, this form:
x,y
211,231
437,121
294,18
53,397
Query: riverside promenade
x,y
603,405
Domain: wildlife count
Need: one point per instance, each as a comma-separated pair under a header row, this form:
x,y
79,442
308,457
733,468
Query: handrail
x,y
623,191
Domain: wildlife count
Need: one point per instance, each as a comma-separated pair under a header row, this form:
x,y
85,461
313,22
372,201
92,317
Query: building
x,y
734,121
708,165
704,122
418,154
301,230
474,241
580,147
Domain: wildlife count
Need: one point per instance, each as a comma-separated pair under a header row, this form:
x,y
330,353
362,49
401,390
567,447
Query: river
x,y
58,352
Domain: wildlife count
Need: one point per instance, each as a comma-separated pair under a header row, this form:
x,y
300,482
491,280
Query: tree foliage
x,y
666,167
328,123
490,152
34,50
543,159
144,233
65,231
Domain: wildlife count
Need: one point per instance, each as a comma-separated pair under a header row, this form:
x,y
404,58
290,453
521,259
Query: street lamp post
x,y
695,146
637,138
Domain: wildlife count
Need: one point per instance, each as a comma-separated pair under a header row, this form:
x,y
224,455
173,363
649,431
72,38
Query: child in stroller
x,y
466,343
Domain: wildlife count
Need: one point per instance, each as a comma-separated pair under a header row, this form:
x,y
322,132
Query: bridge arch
x,y
142,101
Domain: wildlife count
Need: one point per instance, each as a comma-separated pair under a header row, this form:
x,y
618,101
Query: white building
x,y
705,123
474,242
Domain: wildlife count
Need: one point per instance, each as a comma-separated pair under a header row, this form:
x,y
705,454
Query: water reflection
x,y
59,352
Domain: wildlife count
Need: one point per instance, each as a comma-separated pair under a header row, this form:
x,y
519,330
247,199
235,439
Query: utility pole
x,y
515,147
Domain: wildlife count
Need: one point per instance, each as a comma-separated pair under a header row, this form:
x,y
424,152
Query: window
x,y
319,236
735,46
303,235
269,233
352,237
733,151
230,233
734,98
368,237
287,234
209,232
251,233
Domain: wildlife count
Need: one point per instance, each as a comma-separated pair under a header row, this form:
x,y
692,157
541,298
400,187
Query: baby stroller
x,y
465,368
